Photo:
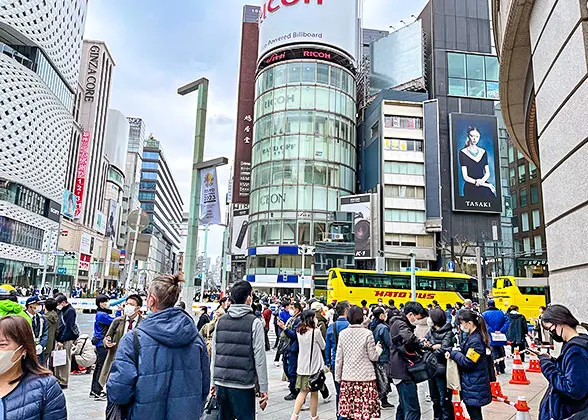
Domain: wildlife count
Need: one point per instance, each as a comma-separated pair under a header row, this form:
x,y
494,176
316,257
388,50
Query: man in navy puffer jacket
x,y
172,378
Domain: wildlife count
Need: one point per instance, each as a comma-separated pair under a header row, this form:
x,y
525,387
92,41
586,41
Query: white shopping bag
x,y
59,358
453,381
499,338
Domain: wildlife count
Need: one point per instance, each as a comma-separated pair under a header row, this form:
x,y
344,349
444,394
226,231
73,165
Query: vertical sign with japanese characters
x,y
81,173
245,106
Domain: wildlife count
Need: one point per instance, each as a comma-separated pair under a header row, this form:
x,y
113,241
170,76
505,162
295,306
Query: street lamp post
x,y
200,85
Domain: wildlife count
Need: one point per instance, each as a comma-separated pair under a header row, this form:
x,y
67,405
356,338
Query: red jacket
x,y
267,316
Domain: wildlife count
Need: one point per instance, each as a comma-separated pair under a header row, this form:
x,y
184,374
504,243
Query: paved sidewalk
x,y
81,407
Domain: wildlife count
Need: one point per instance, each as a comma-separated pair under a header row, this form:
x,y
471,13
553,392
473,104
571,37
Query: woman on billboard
x,y
475,169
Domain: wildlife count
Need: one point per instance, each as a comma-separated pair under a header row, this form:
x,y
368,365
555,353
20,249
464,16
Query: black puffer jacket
x,y
36,398
446,338
405,346
518,329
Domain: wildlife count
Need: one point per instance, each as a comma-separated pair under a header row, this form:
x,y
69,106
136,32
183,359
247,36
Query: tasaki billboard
x,y
327,22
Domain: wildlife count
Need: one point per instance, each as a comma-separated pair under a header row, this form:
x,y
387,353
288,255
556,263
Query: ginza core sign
x,y
327,22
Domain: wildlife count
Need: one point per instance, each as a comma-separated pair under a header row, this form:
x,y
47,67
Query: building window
x,y
527,246
403,191
403,145
532,171
147,185
524,201
514,201
511,154
538,245
525,222
405,168
146,195
148,206
405,216
151,155
149,165
375,129
513,177
522,173
395,121
536,219
20,234
149,175
473,75
534,194
519,155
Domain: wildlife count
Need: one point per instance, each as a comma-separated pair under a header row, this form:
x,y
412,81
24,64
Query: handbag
x,y
317,380
211,411
382,381
452,375
424,368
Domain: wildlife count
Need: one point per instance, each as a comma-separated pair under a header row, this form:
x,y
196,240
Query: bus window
x,y
507,283
431,283
458,285
537,291
401,282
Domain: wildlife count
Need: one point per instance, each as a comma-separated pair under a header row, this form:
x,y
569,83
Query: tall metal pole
x,y
479,274
132,262
413,286
224,261
303,250
192,242
47,253
204,264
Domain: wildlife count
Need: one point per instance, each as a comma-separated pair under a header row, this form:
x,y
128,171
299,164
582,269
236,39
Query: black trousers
x,y
101,353
475,412
442,407
267,343
235,403
498,353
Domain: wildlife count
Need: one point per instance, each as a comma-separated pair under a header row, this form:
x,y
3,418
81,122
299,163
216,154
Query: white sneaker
x,y
277,364
328,399
305,407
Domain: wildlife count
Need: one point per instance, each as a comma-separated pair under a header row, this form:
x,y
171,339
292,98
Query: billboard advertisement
x,y
239,234
86,244
112,221
209,201
361,205
475,159
68,206
245,106
327,22
81,173
100,223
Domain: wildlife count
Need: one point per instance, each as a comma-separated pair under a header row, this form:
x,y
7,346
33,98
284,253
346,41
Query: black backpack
x,y
423,368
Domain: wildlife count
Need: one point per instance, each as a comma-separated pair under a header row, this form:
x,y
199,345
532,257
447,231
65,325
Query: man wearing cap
x,y
39,324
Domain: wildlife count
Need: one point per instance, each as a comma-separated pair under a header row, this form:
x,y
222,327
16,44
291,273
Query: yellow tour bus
x,y
527,294
358,285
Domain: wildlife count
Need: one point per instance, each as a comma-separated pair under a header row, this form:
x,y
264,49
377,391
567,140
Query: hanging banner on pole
x,y
209,203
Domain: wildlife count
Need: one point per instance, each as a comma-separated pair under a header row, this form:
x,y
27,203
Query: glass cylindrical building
x,y
303,157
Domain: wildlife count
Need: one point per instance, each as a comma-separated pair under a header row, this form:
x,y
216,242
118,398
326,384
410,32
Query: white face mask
x,y
129,310
291,312
38,309
6,362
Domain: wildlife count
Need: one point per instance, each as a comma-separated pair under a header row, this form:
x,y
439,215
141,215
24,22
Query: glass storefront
x,y
304,152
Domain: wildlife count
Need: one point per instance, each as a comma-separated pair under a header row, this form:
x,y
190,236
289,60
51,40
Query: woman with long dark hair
x,y
28,391
475,168
567,395
474,363
310,361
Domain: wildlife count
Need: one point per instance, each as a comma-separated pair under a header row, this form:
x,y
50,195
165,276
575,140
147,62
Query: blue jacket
x,y
284,315
496,320
291,334
331,344
568,383
67,329
381,333
36,398
173,376
474,374
101,325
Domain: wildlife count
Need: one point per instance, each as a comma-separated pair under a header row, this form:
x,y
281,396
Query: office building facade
x,y
39,65
160,199
304,139
543,82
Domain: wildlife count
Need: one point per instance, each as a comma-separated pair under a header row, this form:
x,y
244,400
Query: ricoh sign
x,y
326,22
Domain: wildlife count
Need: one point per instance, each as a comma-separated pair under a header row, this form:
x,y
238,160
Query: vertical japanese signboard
x,y
81,173
245,106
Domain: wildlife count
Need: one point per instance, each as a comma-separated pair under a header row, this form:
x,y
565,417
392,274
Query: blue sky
x,y
159,46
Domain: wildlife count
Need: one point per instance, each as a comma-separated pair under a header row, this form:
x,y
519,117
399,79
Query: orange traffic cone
x,y
497,391
534,366
519,377
457,406
523,410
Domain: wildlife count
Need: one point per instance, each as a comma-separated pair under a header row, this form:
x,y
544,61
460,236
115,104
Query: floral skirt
x,y
359,400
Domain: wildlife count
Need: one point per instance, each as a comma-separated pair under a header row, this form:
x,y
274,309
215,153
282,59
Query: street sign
x,y
59,253
450,266
61,270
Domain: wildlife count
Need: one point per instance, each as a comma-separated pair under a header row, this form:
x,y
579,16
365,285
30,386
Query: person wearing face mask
x,y
39,324
290,357
517,330
237,365
405,346
161,370
52,323
101,324
27,390
474,363
67,333
567,393
128,321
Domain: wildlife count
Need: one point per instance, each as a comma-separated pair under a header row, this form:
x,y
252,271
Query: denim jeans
x,y
235,403
409,408
290,360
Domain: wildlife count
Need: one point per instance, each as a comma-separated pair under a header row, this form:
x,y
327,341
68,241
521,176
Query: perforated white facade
x,y
40,53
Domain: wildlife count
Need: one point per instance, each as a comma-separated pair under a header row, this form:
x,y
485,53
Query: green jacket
x,y
8,307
